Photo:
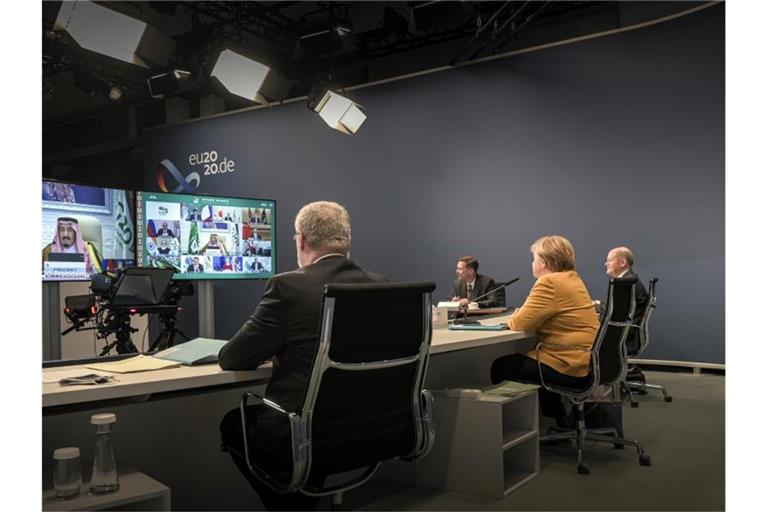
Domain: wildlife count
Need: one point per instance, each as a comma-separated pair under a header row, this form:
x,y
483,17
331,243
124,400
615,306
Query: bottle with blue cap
x,y
104,478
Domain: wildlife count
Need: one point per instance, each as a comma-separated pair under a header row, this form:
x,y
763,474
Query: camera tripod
x,y
119,323
165,339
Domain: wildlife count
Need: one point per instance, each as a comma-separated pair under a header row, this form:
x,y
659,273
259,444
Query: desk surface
x,y
193,377
445,340
140,383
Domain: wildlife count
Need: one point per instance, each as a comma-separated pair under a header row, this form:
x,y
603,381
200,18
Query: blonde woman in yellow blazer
x,y
560,311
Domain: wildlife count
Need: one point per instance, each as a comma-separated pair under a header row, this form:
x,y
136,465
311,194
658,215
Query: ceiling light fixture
x,y
108,32
248,78
340,113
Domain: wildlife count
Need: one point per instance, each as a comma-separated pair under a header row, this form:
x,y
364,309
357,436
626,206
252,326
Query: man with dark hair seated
x,y
470,284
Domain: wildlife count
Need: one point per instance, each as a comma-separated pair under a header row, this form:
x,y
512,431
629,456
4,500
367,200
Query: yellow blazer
x,y
560,310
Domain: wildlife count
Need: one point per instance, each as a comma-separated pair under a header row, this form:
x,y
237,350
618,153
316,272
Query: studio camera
x,y
115,297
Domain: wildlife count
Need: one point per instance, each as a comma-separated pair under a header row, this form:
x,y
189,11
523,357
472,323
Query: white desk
x,y
145,384
140,383
168,420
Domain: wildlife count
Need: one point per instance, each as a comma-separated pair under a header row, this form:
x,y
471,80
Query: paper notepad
x,y
196,351
509,388
138,363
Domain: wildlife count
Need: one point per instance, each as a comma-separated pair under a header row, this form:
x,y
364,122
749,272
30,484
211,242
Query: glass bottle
x,y
104,478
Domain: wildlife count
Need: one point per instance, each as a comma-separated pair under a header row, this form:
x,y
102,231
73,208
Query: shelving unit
x,y
137,492
486,445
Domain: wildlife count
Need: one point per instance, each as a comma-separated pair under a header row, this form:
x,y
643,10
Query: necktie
x,y
470,289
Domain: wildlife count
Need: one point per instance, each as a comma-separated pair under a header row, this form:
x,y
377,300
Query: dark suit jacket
x,y
641,302
286,325
483,284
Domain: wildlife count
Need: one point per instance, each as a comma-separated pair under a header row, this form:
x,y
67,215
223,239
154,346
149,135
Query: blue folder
x,y
478,327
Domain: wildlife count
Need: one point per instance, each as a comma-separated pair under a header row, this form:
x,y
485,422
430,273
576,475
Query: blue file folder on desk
x,y
478,327
194,352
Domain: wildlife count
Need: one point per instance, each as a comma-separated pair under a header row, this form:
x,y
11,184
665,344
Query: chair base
x,y
645,386
601,435
635,383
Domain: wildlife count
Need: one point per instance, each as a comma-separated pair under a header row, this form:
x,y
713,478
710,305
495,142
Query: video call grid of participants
x,y
194,237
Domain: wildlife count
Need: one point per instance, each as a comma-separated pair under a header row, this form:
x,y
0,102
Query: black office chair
x,y
365,401
635,379
606,368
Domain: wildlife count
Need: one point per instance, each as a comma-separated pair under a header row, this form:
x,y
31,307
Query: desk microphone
x,y
502,285
494,290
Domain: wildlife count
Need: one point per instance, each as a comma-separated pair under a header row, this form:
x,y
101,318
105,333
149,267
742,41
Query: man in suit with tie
x,y
285,327
470,284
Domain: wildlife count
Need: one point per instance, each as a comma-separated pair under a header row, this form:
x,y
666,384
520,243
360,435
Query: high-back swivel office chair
x,y
365,401
606,368
635,380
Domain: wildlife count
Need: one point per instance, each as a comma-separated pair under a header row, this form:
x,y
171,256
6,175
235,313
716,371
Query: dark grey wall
x,y
618,140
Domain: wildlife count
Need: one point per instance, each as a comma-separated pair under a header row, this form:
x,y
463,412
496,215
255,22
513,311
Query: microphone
x,y
502,285
465,321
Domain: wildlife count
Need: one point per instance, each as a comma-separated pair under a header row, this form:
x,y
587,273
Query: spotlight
x,y
315,41
102,30
248,78
115,93
340,113
166,84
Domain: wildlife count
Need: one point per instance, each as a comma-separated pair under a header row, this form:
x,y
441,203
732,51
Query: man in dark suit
x,y
195,266
470,284
285,327
165,230
619,264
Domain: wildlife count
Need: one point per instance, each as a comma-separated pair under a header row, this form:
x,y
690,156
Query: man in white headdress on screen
x,y
68,240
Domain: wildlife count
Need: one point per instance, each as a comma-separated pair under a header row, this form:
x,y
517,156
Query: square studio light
x,y
102,30
340,113
248,78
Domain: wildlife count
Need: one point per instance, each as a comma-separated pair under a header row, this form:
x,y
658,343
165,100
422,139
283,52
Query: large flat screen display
x,y
86,230
206,237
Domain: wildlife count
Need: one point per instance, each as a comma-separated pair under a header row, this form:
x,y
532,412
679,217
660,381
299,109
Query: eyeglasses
x,y
296,235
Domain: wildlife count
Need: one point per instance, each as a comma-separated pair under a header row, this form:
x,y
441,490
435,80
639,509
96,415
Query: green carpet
x,y
685,438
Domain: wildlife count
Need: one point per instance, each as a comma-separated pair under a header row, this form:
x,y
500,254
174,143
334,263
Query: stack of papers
x,y
194,352
197,351
509,388
138,363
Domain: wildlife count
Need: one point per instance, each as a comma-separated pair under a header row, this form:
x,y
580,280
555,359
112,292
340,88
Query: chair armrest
x,y
584,348
570,393
299,447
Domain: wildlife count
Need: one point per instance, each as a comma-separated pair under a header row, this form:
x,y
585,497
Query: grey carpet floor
x,y
686,439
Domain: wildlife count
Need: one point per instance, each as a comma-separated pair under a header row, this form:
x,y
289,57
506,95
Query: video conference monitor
x,y
86,230
206,237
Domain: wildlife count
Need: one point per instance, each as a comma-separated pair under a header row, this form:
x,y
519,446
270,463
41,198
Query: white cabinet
x,y
486,445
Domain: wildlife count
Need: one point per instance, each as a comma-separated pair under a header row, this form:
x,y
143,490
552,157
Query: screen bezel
x,y
208,276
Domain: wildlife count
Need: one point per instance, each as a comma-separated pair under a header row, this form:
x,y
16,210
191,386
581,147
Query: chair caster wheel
x,y
667,398
645,460
633,405
582,469
618,446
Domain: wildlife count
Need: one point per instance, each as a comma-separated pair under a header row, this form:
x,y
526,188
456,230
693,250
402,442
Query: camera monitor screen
x,y
142,287
86,230
206,237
